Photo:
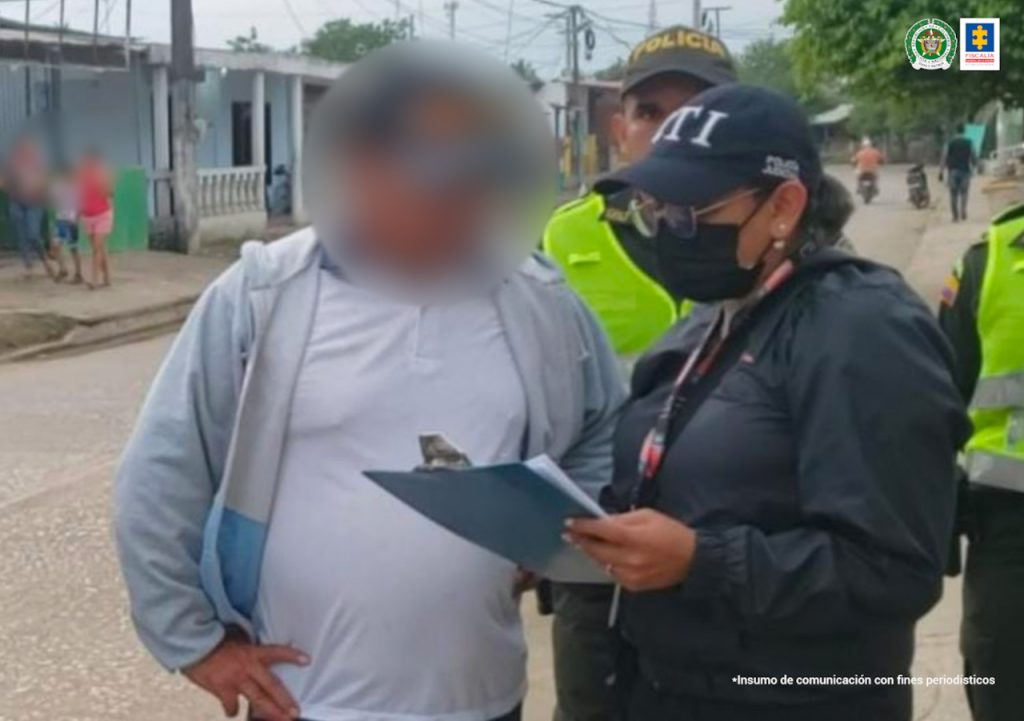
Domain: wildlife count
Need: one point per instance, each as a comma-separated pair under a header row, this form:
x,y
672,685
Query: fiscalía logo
x,y
930,44
979,43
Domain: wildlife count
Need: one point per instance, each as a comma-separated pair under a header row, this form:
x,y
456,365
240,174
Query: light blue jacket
x,y
195,488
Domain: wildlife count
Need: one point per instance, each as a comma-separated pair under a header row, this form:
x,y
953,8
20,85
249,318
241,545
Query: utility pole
x,y
718,10
573,109
185,132
450,7
652,17
697,15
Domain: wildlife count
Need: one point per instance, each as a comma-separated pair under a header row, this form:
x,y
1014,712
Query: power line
x,y
508,27
613,35
533,34
294,16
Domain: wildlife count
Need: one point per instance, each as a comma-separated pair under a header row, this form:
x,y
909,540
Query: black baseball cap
x,y
722,139
681,50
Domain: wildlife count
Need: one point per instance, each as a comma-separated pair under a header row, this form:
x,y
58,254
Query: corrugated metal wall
x,y
12,101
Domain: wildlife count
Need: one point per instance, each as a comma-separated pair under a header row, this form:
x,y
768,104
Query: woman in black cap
x,y
784,475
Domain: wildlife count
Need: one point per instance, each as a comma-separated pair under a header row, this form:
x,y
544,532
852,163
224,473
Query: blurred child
x,y
97,212
64,198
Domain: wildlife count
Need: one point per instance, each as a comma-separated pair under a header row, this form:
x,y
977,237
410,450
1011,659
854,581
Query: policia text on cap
x,y
784,472
592,240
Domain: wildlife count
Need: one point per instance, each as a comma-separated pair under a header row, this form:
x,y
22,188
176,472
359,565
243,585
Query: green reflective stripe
x,y
999,392
577,258
633,308
995,470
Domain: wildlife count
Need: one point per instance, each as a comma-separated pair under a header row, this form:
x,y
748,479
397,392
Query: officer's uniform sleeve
x,y
958,316
877,423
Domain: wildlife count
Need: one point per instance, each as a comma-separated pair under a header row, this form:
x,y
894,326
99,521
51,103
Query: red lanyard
x,y
700,362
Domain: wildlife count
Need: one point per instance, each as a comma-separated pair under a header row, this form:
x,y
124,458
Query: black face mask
x,y
704,268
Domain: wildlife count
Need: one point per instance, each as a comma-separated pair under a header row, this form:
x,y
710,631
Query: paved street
x,y
68,652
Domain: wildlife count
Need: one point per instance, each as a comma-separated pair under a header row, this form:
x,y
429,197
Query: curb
x,y
109,330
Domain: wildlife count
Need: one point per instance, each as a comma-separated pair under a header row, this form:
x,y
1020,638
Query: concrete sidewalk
x,y
149,289
944,242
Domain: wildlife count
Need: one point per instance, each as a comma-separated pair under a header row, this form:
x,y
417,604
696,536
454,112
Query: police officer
x,y
784,477
982,313
611,267
592,238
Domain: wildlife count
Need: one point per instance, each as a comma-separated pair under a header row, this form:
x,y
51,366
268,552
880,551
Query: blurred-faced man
x,y
259,560
612,267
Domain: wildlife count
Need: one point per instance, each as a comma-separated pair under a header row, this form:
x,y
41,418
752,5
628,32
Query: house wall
x,y
111,111
14,106
215,96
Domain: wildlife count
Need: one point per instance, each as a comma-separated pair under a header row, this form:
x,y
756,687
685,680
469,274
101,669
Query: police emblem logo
x,y
930,44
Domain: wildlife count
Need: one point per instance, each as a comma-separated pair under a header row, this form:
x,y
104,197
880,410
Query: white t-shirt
x,y
403,620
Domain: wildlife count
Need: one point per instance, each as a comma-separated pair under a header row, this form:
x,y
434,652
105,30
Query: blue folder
x,y
516,510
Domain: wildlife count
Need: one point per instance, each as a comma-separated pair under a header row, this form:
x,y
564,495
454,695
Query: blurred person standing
x,y
612,267
259,560
65,204
959,161
592,238
25,181
96,199
982,313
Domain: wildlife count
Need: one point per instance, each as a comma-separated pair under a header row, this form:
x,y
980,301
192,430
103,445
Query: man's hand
x,y
643,550
240,668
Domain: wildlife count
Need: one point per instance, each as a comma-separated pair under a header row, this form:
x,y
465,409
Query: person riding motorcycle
x,y
868,160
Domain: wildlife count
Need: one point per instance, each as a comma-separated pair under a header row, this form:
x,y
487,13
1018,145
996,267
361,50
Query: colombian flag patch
x,y
950,290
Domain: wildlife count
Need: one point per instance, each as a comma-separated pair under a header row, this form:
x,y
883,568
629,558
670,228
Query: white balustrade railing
x,y
231,191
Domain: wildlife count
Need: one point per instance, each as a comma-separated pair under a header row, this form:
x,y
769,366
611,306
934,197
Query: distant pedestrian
x,y
959,159
96,204
65,205
24,179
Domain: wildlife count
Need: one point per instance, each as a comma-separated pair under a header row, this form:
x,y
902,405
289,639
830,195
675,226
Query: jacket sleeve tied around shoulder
x,y
170,472
877,422
589,460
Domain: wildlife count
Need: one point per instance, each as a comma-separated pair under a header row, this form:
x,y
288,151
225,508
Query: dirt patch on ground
x,y
22,330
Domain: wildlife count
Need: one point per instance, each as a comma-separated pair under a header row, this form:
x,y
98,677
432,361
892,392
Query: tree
x,y
769,62
615,71
249,43
345,41
862,42
527,72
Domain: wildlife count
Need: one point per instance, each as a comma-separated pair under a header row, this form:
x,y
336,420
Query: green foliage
x,y
769,62
345,41
862,42
249,43
527,72
615,71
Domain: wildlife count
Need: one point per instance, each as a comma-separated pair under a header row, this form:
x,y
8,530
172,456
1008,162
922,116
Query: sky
x,y
531,35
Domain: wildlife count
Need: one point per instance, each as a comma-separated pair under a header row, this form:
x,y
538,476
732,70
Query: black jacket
x,y
819,475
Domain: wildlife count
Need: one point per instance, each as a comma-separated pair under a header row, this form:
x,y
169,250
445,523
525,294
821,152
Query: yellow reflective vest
x,y
634,309
995,453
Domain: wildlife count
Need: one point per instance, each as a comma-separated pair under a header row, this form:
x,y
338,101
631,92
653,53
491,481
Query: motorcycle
x,y
917,187
867,186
